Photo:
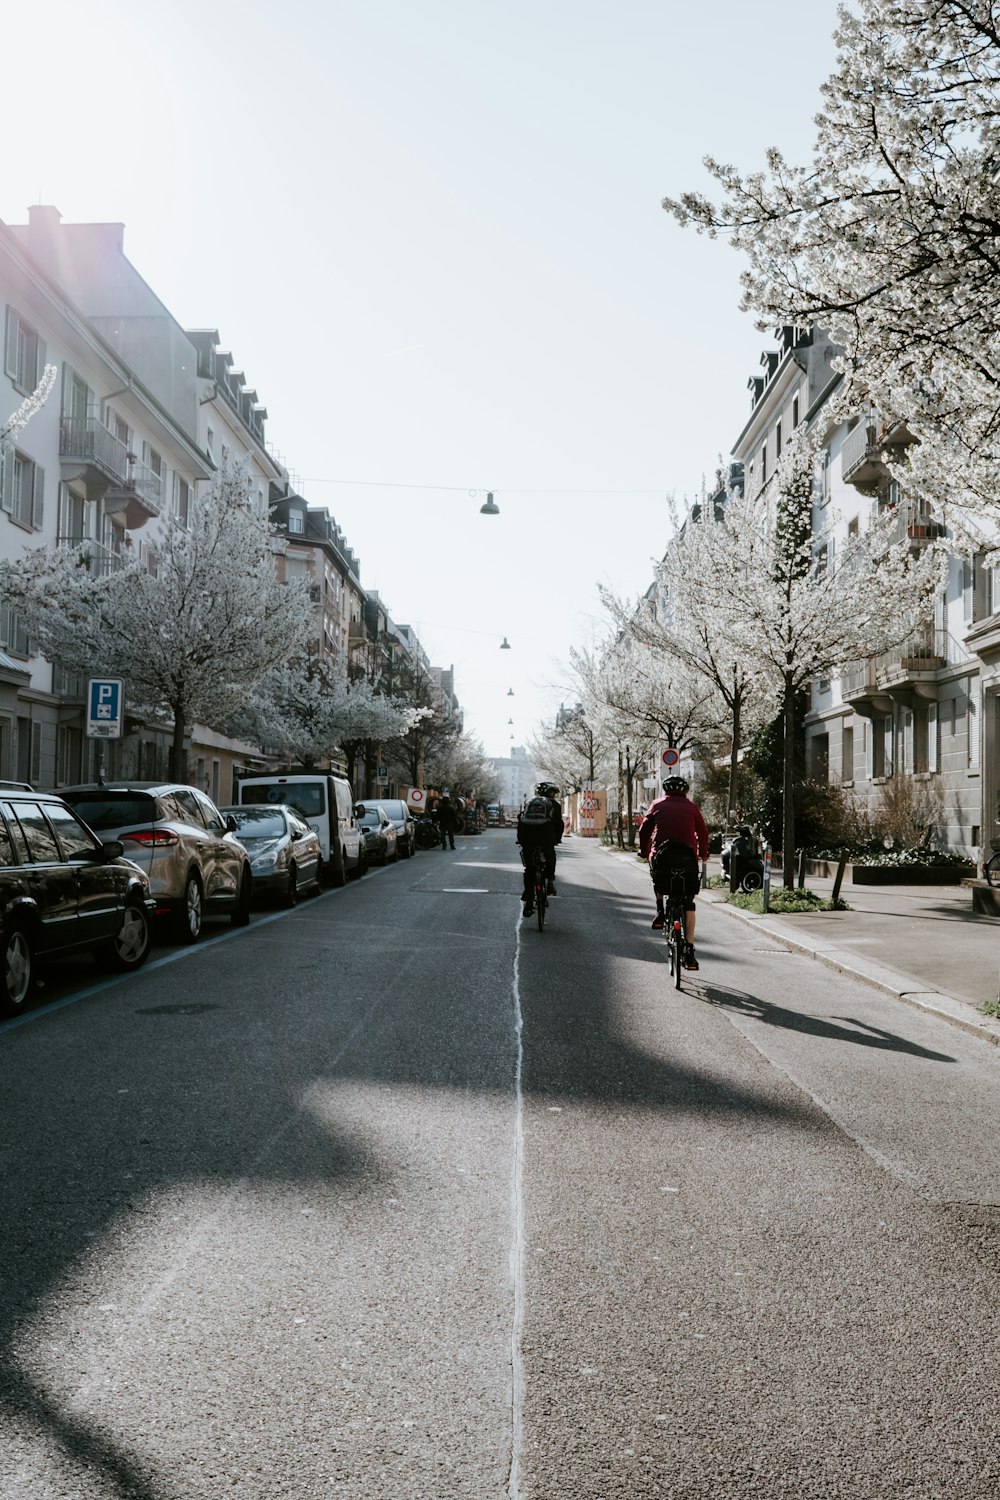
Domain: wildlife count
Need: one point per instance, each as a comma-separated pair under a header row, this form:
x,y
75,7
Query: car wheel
x,y
240,915
130,946
16,969
192,912
362,863
338,874
292,893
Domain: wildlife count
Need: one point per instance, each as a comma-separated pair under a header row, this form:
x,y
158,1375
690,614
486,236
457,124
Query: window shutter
x,y
908,741
40,360
7,485
38,497
967,591
932,737
67,390
973,723
10,345
887,756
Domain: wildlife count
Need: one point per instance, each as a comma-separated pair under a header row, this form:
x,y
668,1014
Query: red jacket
x,y
673,818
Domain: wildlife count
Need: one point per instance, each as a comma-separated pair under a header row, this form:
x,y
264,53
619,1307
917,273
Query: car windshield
x,y
370,818
307,797
259,822
103,810
395,810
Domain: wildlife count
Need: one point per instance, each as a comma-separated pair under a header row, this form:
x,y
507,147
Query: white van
x,y
327,805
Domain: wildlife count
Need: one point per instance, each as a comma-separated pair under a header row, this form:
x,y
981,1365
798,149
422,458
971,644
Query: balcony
x,y
863,457
136,501
904,674
89,452
98,560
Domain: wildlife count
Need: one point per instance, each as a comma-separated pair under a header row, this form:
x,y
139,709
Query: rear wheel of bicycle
x,y
992,870
677,947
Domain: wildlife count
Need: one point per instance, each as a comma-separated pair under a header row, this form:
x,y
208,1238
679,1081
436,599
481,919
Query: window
x,y
38,834
182,499
882,737
847,754
763,463
24,353
23,494
70,747
74,840
868,732
908,761
152,460
13,636
210,444
295,522
795,411
777,441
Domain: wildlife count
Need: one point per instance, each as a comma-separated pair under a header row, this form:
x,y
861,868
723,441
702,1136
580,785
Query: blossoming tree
x,y
191,638
889,237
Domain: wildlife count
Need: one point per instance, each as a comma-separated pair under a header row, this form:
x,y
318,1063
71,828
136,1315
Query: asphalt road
x,y
393,1196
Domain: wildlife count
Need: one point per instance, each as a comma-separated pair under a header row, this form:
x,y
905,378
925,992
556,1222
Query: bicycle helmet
x,y
546,789
675,786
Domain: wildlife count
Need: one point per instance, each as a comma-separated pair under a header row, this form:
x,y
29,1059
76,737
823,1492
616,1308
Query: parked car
x,y
62,891
379,832
323,801
177,835
401,818
285,853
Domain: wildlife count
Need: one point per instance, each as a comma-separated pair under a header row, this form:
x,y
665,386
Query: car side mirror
x,y
359,811
231,823
113,849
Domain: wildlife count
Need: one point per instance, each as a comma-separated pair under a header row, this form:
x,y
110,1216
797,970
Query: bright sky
x,y
431,235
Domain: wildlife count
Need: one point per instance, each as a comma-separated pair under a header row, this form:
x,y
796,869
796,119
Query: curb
x,y
877,976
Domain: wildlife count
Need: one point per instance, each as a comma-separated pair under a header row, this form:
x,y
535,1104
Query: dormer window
x,y
296,522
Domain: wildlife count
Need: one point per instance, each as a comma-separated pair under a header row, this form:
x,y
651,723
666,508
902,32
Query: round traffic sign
x,y
416,795
670,757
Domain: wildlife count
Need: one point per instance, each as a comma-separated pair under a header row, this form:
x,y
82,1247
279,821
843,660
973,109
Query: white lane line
x,y
517,1239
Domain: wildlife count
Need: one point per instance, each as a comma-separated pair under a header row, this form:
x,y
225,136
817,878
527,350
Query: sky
x,y
432,236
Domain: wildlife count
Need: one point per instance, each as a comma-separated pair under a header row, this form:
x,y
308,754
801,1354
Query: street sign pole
x,y
105,713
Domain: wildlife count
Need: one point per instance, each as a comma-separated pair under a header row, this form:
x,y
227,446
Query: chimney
x,y
43,236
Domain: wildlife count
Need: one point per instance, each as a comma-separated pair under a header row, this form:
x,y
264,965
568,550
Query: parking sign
x,y
105,708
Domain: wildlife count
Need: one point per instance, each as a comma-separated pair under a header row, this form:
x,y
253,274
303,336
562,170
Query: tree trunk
x,y
178,760
630,769
788,790
735,752
621,789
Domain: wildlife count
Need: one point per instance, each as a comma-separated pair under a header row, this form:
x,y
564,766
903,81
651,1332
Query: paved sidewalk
x,y
922,944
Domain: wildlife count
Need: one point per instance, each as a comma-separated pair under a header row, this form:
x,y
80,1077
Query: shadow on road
x,y
794,1020
188,1076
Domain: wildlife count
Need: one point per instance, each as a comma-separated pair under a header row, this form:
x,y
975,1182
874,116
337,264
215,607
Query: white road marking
x,y
517,1238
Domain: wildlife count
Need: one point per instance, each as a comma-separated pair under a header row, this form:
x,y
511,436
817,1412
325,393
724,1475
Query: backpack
x,y
537,814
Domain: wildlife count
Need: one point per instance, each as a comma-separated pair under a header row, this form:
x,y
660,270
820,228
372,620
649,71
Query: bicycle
x,y
675,925
991,869
540,882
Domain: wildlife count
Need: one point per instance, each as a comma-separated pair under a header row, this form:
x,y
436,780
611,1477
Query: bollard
x,y
839,877
766,891
802,869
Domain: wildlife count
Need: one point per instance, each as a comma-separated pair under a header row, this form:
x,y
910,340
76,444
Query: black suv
x,y
62,890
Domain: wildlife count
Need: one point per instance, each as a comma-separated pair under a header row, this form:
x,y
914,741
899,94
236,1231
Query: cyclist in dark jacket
x,y
540,825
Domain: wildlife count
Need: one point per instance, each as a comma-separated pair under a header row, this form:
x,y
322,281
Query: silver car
x,y
179,838
285,854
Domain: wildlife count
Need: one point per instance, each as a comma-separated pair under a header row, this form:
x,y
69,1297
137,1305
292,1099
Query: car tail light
x,y
154,838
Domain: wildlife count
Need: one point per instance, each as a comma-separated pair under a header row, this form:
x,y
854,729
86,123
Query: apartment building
x,y
924,713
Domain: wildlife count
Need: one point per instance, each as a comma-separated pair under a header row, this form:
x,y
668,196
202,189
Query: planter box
x,y
893,874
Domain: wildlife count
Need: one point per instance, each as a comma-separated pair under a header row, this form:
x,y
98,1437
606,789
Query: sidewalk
x,y
922,944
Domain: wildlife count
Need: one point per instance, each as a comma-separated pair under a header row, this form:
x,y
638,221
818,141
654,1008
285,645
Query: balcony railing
x,y
88,441
860,446
98,560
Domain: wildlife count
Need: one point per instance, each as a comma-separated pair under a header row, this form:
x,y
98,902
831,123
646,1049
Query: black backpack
x,y
537,814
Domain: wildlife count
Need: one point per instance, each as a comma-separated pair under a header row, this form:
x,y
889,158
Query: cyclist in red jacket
x,y
673,836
